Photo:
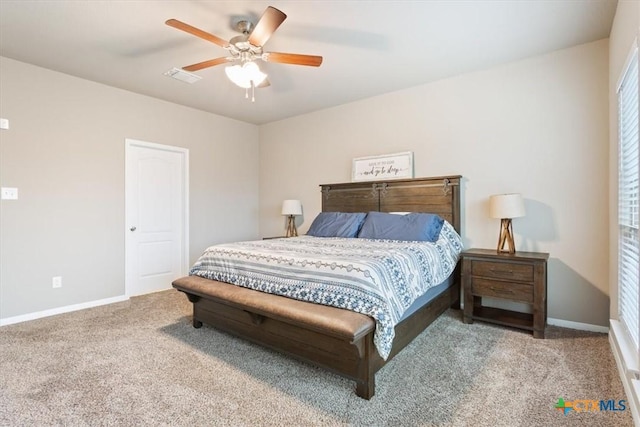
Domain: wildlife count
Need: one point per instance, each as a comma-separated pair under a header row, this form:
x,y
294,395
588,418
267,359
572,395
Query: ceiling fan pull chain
x,y
253,92
246,93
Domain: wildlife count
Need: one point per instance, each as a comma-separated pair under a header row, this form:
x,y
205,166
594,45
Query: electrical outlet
x,y
57,282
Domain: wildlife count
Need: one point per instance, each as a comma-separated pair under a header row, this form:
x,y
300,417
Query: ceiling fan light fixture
x,y
246,74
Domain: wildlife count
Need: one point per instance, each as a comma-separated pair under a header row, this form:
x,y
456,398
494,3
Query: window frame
x,y
628,340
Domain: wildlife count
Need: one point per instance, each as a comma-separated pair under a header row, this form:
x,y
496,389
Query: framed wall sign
x,y
388,166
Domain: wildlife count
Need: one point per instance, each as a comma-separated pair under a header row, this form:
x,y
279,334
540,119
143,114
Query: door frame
x,y
129,143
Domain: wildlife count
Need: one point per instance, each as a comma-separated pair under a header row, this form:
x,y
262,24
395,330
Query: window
x,y
628,178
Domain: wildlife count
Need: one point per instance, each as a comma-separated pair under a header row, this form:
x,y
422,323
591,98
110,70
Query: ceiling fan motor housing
x,y
244,26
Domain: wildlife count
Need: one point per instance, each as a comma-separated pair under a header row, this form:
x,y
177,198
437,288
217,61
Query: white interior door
x,y
156,216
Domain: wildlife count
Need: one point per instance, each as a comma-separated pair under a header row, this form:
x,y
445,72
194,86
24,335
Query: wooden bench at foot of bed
x,y
335,339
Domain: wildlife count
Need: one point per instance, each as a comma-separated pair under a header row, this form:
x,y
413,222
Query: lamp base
x,y
506,237
291,227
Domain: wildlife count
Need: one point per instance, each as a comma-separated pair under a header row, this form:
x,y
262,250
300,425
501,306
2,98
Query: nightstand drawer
x,y
503,270
511,291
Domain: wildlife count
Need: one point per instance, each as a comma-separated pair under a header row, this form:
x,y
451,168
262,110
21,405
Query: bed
x,y
333,338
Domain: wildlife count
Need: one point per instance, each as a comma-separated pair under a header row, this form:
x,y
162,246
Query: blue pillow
x,y
336,224
413,226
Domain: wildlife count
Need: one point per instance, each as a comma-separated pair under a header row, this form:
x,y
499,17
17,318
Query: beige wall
x,y
538,126
626,27
65,153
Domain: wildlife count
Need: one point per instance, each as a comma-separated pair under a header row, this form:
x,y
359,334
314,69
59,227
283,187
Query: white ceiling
x,y
369,47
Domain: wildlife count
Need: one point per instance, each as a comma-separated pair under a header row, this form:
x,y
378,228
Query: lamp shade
x,y
506,206
291,207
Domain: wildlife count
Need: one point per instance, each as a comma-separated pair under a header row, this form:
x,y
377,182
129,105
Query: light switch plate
x,y
56,282
4,123
8,193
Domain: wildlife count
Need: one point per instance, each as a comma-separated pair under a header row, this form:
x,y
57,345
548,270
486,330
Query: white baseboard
x,y
61,310
577,325
627,366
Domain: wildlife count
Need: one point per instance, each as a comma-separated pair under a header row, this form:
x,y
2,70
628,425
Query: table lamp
x,y
291,208
505,207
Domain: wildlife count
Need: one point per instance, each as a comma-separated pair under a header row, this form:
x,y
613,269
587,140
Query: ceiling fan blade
x,y
268,23
197,32
292,58
207,64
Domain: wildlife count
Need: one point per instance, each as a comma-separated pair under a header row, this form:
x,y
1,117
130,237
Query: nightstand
x,y
520,277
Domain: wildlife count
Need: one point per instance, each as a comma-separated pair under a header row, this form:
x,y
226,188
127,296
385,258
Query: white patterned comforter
x,y
379,278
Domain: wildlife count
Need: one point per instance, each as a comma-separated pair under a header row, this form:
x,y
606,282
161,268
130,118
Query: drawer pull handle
x,y
502,291
493,270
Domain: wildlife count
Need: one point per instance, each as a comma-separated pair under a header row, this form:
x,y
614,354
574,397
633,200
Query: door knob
x,y
133,228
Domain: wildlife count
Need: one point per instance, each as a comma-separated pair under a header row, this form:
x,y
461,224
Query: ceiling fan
x,y
247,48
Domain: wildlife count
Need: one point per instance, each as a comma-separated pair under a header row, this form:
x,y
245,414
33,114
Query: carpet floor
x,y
140,362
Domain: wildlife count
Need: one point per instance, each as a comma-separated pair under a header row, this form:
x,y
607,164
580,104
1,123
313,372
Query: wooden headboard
x,y
439,195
